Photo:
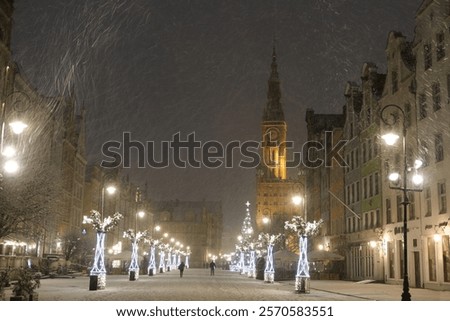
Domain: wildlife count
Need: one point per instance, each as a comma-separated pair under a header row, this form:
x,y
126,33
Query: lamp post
x,y
390,139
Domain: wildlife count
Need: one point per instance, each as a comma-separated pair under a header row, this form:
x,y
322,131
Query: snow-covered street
x,y
198,285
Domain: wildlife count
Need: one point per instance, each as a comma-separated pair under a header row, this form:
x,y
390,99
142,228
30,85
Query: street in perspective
x,y
209,151
198,285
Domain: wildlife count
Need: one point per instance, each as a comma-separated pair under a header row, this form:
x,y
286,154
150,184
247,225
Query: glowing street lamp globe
x,y
418,164
390,138
297,200
393,177
111,189
11,166
9,151
18,127
417,179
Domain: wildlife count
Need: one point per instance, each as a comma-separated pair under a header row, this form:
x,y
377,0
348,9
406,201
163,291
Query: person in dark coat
x,y
181,268
212,266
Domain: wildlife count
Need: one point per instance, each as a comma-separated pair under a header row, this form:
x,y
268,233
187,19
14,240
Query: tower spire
x,y
274,109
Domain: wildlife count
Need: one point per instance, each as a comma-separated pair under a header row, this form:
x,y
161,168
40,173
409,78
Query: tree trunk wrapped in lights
x,y
162,247
174,259
135,238
243,249
251,271
269,240
169,258
188,253
179,258
152,259
302,229
98,271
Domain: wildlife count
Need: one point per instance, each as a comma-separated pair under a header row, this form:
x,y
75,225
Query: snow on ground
x,y
198,285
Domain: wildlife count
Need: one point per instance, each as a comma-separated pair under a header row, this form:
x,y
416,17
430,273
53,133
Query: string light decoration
x,y
266,240
169,257
102,226
188,253
174,258
251,272
240,266
135,238
302,229
244,239
162,247
152,259
247,229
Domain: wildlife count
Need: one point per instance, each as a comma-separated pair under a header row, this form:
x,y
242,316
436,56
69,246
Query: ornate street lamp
x,y
391,119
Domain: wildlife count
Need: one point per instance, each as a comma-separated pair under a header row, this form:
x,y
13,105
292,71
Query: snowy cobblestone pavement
x,y
198,285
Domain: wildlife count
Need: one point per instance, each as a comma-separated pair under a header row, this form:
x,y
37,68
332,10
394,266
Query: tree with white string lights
x,y
188,253
162,247
135,238
245,242
102,226
152,258
302,230
266,240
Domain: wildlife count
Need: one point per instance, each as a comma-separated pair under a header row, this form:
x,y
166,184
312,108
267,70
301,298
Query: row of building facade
x,y
363,214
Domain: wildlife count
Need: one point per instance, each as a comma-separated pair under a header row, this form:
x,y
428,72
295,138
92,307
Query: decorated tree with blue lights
x,y
302,230
102,226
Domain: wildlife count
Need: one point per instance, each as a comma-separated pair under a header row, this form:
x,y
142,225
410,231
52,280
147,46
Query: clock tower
x,y
274,190
273,129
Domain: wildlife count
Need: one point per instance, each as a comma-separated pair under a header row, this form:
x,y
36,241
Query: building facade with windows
x,y
363,217
197,224
325,189
431,48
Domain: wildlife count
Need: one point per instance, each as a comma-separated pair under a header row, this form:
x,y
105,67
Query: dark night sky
x,y
155,68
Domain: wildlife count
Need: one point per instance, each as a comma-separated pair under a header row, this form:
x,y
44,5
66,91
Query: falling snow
x,y
155,68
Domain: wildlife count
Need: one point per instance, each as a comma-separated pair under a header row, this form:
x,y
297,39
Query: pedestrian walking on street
x,y
181,268
212,266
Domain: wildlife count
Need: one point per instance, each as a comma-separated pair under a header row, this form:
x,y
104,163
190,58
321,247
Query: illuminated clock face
x,y
273,134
